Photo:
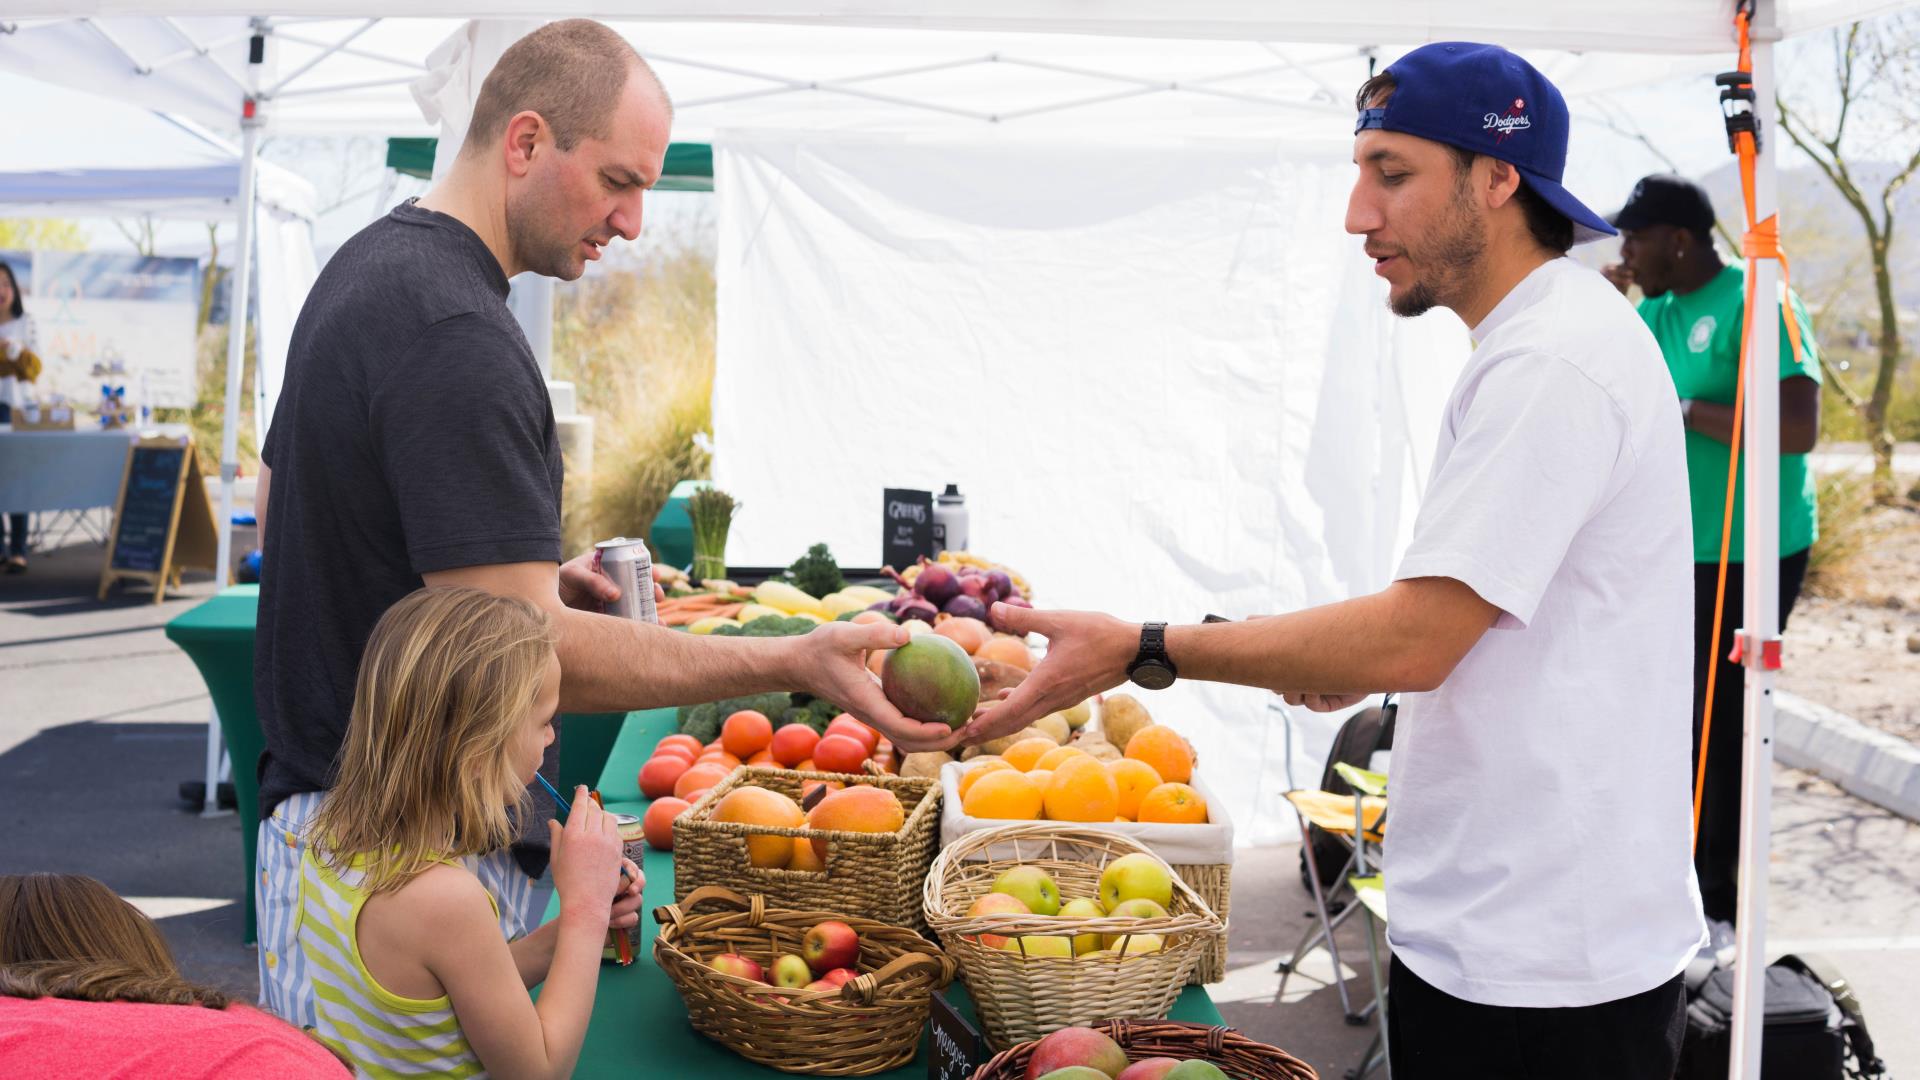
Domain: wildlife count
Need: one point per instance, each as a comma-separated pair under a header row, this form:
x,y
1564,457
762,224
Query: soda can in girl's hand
x,y
626,563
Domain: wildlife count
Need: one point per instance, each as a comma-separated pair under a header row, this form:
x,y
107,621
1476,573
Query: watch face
x,y
1151,676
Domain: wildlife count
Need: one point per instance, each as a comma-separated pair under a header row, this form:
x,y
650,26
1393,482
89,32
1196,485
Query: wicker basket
x,y
871,875
1022,997
1237,1055
1212,879
869,1025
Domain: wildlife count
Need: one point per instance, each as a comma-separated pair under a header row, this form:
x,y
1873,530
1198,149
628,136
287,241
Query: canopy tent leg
x,y
1762,586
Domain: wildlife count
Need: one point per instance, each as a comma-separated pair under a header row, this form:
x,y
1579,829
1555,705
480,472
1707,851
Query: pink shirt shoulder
x,y
56,1039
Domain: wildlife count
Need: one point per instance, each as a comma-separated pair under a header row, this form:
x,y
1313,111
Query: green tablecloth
x,y
639,1025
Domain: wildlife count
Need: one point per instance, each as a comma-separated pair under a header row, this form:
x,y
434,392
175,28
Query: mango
x,y
931,678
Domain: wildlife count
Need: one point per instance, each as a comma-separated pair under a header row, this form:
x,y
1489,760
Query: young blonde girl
x,y
454,705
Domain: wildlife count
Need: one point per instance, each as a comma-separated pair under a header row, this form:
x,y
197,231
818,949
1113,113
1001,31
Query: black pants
x,y
1716,858
13,531
1432,1035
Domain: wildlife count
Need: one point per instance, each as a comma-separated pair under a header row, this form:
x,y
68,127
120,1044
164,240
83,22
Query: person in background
x,y
19,362
1695,305
454,706
88,989
1543,902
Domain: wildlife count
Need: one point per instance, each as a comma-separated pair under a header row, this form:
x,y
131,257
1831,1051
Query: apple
x,y
791,972
1132,909
1195,1069
1133,945
1083,909
820,984
1148,1069
997,903
831,944
1076,1072
840,976
1033,887
1076,1046
1040,945
1135,876
739,967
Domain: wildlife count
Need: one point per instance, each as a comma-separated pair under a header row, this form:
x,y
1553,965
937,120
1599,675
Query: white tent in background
x,y
805,106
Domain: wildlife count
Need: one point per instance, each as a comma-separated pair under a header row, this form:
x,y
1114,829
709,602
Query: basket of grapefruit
x,y
817,992
1056,924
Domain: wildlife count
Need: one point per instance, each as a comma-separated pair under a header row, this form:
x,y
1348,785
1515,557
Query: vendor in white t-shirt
x,y
1542,895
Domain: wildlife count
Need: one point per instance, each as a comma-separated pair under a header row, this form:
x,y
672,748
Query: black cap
x,y
1665,199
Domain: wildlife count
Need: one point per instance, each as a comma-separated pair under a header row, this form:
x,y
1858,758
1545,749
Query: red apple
x,y
739,967
1148,1069
791,972
840,976
829,945
821,984
1076,1046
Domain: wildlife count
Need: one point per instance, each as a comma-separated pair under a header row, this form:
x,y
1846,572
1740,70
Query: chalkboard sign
x,y
906,526
162,521
954,1047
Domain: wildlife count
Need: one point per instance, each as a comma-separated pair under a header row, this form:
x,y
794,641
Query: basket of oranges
x,y
1148,791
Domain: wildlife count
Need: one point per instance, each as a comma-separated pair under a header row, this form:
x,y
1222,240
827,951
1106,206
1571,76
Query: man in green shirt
x,y
1695,304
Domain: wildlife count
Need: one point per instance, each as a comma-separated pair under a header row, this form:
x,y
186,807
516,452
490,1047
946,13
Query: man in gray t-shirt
x,y
414,444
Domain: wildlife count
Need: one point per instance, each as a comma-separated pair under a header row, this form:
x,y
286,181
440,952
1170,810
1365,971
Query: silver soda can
x,y
626,563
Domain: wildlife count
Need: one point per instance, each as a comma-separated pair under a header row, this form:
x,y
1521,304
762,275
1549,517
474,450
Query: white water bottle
x,y
950,520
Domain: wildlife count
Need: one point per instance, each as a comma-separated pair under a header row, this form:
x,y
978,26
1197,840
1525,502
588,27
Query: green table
x,y
639,1023
218,635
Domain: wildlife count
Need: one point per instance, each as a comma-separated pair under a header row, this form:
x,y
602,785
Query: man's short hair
x,y
1550,228
571,72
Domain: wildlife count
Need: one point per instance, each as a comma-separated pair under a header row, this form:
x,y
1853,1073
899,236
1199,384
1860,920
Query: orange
x,y
679,750
746,733
718,757
861,808
804,857
762,760
1003,794
658,776
1134,778
1082,790
1052,758
1163,748
807,766
967,633
1174,803
1041,778
839,753
793,744
681,739
1006,650
702,775
758,806
1026,754
983,767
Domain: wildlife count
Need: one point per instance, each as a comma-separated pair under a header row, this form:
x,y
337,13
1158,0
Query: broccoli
x,y
766,626
728,630
795,626
702,721
815,573
824,709
799,714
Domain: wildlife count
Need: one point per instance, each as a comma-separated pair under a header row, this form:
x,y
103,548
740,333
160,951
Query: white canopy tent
x,y
1071,71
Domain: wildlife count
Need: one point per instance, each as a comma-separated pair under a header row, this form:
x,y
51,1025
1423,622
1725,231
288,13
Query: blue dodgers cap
x,y
1484,99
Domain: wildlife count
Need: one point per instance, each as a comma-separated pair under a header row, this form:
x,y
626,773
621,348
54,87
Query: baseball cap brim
x,y
1587,225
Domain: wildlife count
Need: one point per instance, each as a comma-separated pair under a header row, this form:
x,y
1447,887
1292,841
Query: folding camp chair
x,y
1370,890
1356,821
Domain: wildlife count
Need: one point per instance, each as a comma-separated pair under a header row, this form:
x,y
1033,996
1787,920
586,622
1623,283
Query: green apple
x,y
1193,1069
1135,876
1040,945
1033,887
1133,945
1083,909
1132,909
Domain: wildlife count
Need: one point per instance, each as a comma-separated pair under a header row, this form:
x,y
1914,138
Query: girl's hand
x,y
626,901
586,859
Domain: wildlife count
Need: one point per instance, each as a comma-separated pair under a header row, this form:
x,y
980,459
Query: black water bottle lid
x,y
952,489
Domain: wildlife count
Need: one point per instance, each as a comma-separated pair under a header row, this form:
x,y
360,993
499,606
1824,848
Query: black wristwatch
x,y
1152,668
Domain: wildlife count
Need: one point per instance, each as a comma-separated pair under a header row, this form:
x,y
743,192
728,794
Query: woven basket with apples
x,y
1054,925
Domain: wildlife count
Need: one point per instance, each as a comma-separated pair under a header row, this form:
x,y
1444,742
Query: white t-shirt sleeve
x,y
1538,448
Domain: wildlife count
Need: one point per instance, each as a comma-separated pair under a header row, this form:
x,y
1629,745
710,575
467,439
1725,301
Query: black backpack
x,y
1364,732
1812,1026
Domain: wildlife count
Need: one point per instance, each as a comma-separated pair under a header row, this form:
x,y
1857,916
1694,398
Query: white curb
x,y
1877,767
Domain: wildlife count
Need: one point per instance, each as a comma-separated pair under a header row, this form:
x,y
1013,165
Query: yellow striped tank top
x,y
383,1034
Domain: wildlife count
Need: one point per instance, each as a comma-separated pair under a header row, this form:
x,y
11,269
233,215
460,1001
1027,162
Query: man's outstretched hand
x,y
1087,654
831,662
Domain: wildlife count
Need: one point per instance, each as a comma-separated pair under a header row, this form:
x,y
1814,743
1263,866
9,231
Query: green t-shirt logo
x,y
1701,335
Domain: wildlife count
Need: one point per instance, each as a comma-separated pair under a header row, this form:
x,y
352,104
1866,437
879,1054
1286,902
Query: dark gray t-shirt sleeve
x,y
459,433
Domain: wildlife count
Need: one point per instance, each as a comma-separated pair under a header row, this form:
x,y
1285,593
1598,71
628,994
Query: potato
x,y
925,764
1121,715
1056,727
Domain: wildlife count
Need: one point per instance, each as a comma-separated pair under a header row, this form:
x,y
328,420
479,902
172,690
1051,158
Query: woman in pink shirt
x,y
89,989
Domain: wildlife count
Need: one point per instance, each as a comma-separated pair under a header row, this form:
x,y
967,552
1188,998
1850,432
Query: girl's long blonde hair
x,y
424,774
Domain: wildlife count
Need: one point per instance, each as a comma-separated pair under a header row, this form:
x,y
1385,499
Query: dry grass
x,y
1846,530
639,347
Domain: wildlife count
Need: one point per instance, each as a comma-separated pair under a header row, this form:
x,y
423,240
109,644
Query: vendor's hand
x,y
626,900
586,859
1618,275
1087,654
584,588
831,662
1323,702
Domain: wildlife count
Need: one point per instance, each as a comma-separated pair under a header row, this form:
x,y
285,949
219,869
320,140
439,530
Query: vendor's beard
x,y
541,253
1452,255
